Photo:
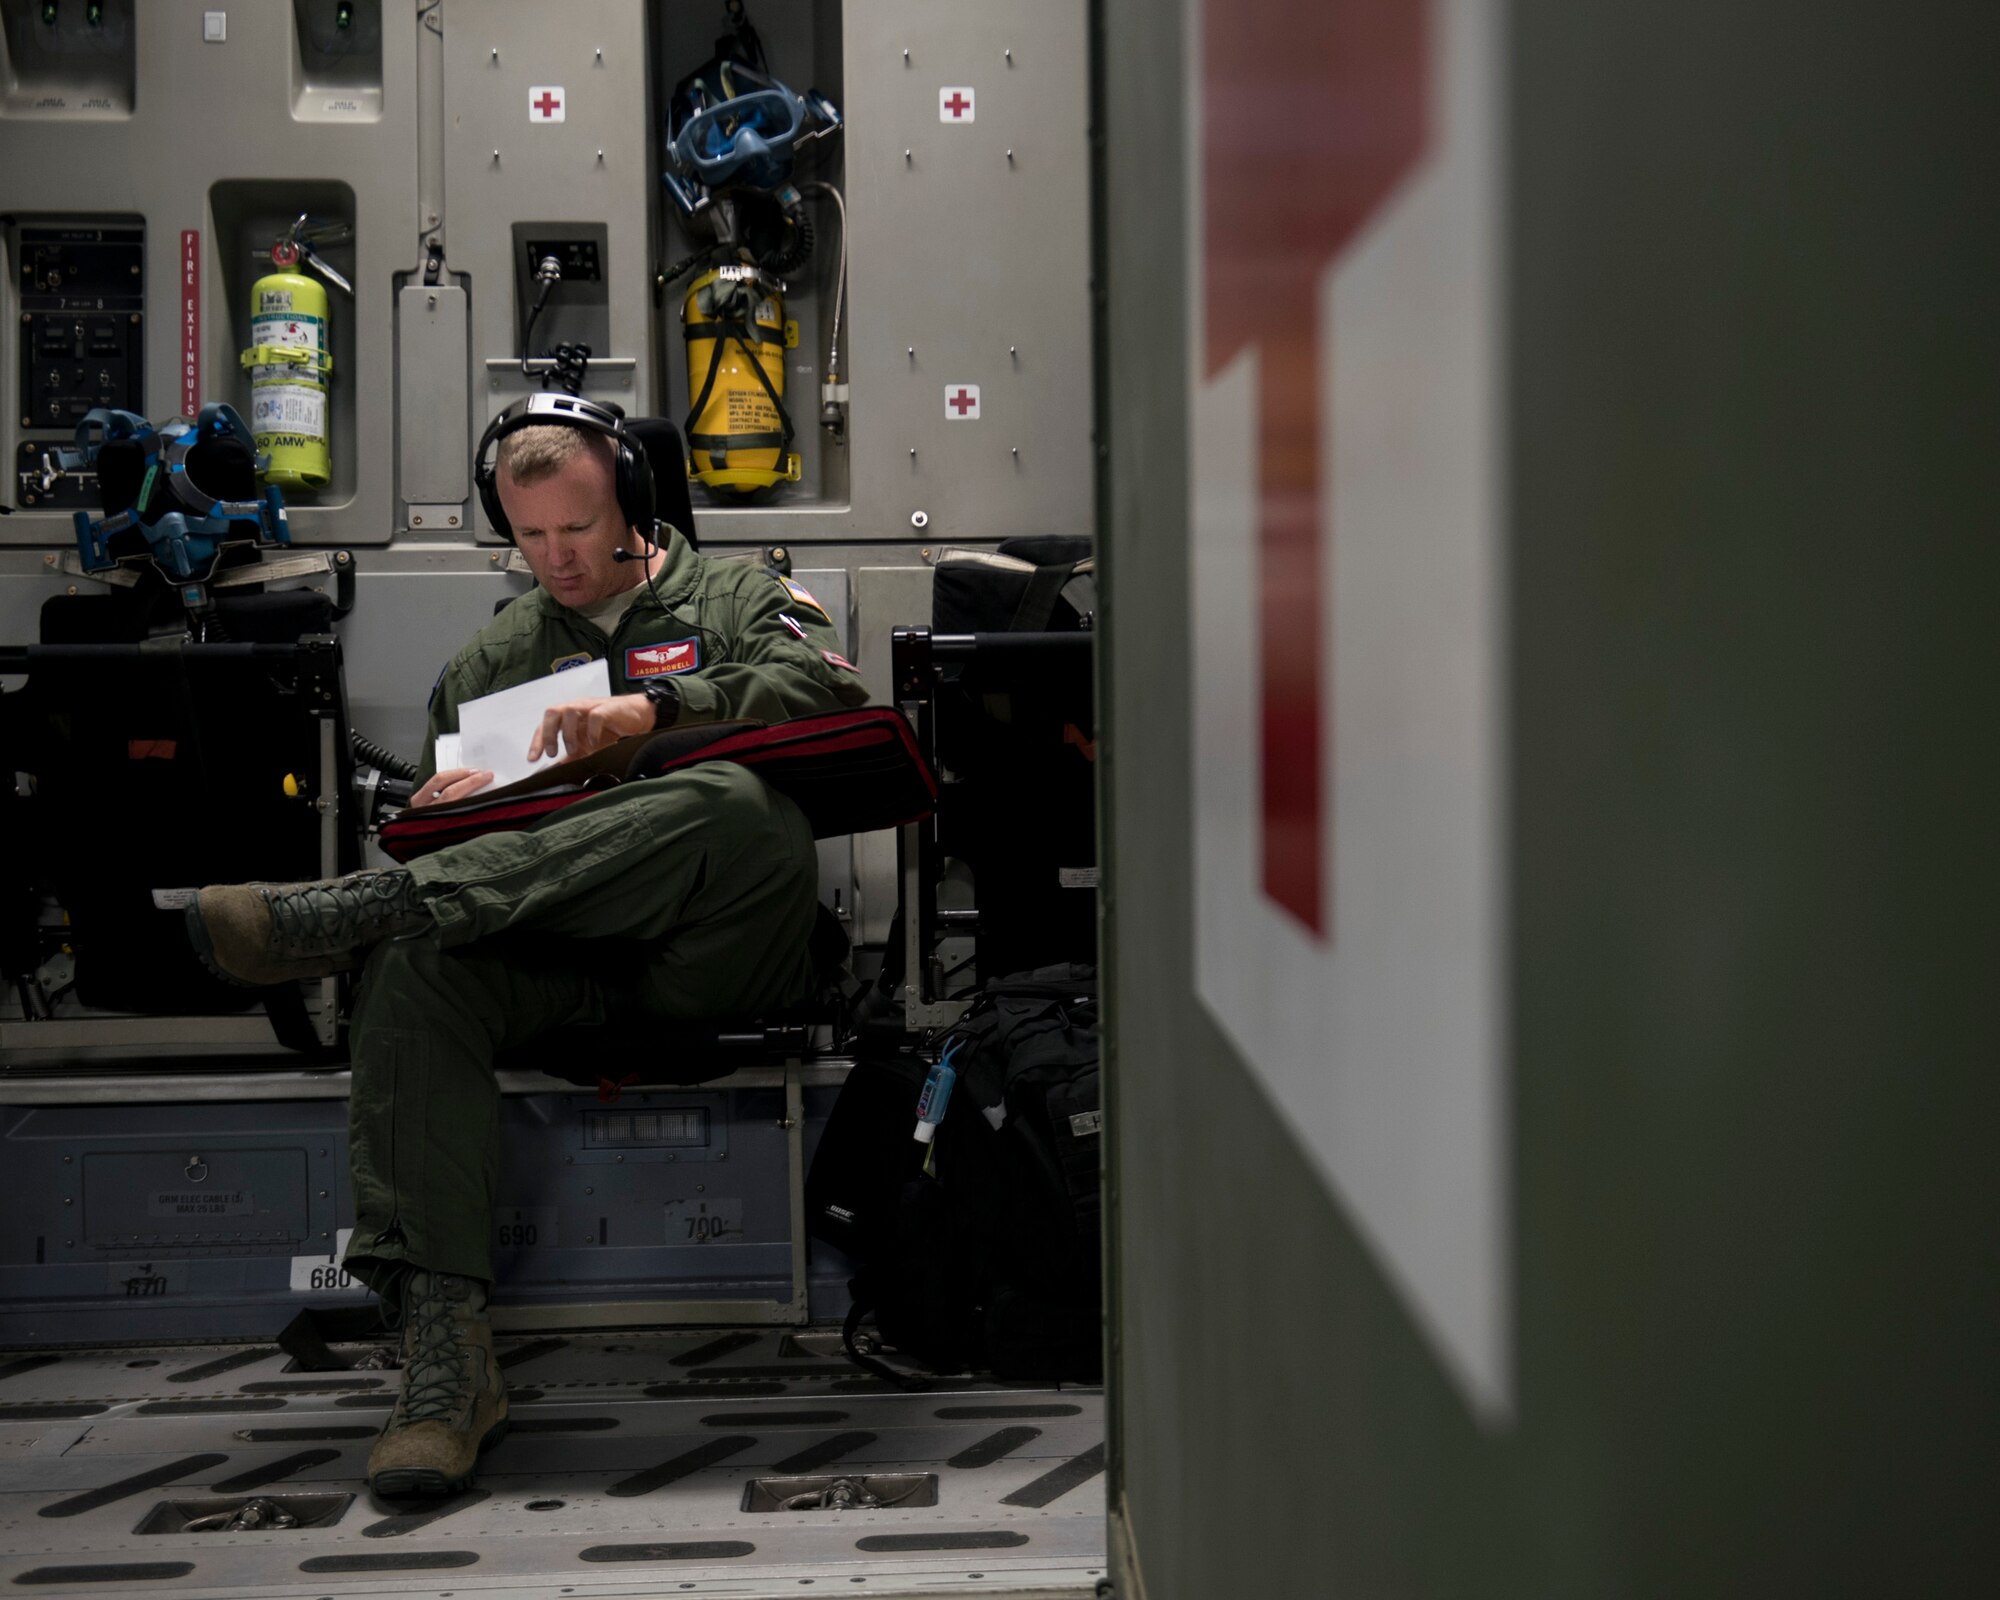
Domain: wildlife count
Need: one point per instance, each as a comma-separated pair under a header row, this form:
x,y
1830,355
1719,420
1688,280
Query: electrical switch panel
x,y
82,298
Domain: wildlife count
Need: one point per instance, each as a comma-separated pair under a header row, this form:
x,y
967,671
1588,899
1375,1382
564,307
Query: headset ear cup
x,y
489,497
121,473
486,471
222,468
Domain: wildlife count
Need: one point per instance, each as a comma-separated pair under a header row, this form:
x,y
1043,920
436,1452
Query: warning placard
x,y
201,1203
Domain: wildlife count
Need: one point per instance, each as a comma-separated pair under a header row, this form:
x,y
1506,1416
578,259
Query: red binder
x,y
849,771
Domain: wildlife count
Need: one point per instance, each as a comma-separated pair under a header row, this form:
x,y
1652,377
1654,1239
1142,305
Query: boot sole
x,y
428,1480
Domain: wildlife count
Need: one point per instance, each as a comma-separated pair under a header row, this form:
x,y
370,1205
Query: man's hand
x,y
455,783
583,726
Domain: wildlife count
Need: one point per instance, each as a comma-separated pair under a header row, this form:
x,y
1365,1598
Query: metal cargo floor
x,y
623,1474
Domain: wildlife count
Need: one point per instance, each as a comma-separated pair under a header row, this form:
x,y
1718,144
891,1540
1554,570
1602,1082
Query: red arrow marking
x,y
1312,117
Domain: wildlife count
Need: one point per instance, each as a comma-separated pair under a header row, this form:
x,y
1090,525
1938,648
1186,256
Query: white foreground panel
x,y
1382,1037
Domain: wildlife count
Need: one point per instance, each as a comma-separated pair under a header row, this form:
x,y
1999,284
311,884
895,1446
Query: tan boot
x,y
265,933
454,1402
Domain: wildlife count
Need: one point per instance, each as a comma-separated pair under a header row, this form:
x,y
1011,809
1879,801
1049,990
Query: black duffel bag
x,y
986,1257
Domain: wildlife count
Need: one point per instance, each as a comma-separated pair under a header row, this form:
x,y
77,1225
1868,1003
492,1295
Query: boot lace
x,y
335,914
437,1378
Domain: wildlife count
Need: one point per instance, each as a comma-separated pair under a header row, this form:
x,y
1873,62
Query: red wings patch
x,y
655,660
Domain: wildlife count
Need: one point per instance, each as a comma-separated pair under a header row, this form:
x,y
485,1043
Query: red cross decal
x,y
957,105
1353,75
963,401
548,105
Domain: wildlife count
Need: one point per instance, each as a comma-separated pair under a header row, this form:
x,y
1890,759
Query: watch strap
x,y
666,700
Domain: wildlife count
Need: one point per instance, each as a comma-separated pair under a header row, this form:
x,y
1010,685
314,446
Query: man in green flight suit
x,y
699,888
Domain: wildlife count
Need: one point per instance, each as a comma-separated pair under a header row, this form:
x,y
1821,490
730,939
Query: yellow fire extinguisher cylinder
x,y
734,326
290,363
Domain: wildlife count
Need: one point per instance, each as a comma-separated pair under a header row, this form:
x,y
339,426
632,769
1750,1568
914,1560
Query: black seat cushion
x,y
633,1051
660,438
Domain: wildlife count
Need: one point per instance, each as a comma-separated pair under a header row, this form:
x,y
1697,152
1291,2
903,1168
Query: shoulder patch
x,y
835,659
803,595
581,658
796,628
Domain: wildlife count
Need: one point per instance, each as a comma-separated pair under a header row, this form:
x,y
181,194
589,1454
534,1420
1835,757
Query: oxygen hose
x,y
798,248
569,365
391,764
831,411
548,273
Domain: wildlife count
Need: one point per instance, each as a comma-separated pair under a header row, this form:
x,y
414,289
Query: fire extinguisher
x,y
739,432
290,359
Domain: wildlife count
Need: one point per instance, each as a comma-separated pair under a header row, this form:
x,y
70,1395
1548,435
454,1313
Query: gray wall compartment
x,y
214,143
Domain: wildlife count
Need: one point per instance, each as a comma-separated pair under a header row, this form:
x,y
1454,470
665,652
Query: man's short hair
x,y
528,455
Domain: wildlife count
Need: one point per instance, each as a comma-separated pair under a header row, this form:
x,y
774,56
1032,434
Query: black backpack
x,y
991,1259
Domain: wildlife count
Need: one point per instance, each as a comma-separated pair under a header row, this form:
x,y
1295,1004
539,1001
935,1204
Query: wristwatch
x,y
666,700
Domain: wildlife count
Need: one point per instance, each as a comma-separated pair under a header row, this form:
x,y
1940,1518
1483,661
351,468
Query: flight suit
x,y
687,896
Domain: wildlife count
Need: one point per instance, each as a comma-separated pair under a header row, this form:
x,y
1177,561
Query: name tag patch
x,y
654,660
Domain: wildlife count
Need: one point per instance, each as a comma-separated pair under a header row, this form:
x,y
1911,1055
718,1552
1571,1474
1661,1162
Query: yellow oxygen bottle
x,y
739,432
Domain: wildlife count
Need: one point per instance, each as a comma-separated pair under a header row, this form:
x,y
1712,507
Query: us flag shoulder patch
x,y
803,595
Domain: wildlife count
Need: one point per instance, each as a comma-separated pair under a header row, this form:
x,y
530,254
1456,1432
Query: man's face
x,y
566,526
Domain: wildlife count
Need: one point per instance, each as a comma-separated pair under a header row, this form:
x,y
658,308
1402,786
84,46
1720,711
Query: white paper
x,y
494,731
445,752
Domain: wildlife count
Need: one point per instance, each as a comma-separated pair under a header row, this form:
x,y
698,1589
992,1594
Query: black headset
x,y
633,476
